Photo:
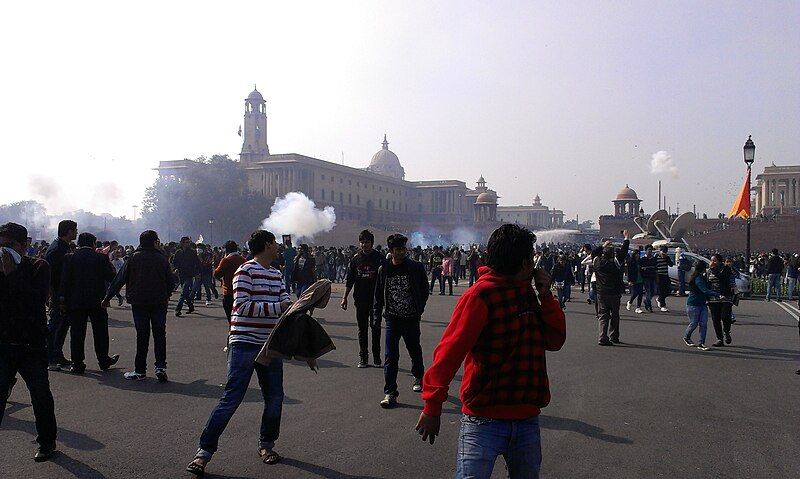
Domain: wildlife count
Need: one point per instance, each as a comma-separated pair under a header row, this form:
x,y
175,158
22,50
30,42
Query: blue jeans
x,y
241,364
482,439
408,329
650,289
145,319
698,316
564,294
681,282
774,282
636,294
187,294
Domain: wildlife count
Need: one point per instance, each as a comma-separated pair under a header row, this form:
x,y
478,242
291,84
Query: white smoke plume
x,y
295,214
662,163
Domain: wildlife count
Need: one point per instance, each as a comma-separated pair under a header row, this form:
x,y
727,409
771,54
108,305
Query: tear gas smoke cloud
x,y
295,214
662,163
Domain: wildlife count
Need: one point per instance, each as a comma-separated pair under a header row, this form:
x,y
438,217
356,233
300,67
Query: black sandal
x,y
198,470
269,456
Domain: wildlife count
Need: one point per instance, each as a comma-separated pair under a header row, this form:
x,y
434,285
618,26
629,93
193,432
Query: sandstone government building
x,y
378,195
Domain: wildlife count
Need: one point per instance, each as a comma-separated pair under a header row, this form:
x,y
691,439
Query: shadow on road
x,y
730,352
321,471
71,439
76,467
199,388
574,425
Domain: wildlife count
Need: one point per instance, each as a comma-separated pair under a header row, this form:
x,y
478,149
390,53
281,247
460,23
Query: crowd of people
x,y
48,291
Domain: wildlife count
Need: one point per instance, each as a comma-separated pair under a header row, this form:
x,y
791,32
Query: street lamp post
x,y
749,158
211,234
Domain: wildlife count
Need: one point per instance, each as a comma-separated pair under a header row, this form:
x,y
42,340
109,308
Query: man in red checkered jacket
x,y
500,330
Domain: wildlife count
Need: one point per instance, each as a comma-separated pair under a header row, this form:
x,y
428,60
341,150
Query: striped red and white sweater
x,y
257,296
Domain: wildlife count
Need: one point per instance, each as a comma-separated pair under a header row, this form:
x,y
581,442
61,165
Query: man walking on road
x,y
187,263
149,281
260,297
362,273
58,325
24,285
401,294
84,276
500,331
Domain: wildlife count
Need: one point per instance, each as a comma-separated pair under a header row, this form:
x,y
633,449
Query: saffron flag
x,y
741,207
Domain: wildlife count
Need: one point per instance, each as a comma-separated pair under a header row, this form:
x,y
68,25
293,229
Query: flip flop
x,y
198,470
269,456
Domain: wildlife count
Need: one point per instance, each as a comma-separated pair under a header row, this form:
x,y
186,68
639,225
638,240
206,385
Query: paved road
x,y
649,408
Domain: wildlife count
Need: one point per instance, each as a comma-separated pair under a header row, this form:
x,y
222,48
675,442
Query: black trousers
x,y
721,317
436,273
608,315
366,323
31,364
664,289
77,321
227,305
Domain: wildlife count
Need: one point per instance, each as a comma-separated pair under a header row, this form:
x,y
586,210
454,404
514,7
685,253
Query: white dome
x,y
386,163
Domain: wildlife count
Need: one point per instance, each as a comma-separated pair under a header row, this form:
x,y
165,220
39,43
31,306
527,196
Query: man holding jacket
x,y
500,330
84,275
401,293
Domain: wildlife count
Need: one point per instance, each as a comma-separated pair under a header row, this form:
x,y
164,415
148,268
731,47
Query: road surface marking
x,y
791,313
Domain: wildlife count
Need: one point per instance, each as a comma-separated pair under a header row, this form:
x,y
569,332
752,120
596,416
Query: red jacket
x,y
497,331
227,267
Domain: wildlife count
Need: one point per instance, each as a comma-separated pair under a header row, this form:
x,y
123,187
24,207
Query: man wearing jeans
x,y
260,297
774,270
401,293
149,281
188,265
500,331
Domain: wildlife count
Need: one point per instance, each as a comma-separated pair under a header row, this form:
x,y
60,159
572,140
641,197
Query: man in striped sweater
x,y
259,299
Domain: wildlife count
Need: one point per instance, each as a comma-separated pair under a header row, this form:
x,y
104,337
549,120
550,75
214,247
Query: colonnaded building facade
x,y
378,195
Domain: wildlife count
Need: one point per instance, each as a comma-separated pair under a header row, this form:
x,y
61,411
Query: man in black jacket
x,y
187,263
58,325
401,293
774,271
362,273
84,275
24,286
608,270
149,283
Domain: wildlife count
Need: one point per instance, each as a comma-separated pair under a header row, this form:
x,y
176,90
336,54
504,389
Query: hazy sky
x,y
568,100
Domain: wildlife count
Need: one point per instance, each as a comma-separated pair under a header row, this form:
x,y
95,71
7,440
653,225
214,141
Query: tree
x,y
215,188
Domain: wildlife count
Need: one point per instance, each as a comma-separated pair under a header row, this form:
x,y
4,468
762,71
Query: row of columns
x,y
769,194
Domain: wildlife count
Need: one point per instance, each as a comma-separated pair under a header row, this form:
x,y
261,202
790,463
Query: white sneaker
x,y
628,305
664,310
208,303
638,310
